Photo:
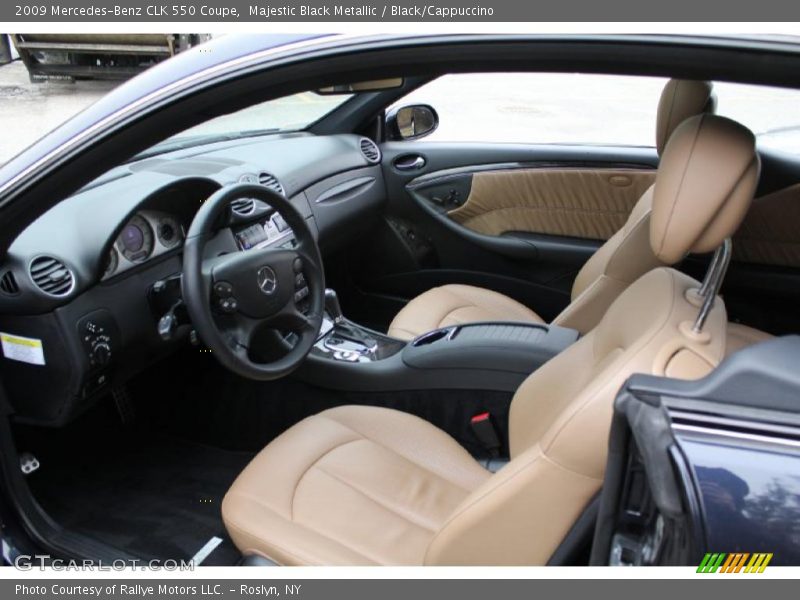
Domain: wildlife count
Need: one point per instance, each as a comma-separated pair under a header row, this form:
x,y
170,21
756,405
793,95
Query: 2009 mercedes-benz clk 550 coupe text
x,y
568,265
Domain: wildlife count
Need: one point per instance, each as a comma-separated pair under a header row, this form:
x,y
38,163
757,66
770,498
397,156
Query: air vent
x,y
370,151
270,181
52,276
8,284
243,206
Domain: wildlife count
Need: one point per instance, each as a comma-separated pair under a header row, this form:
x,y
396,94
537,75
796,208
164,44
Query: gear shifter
x,y
341,328
332,306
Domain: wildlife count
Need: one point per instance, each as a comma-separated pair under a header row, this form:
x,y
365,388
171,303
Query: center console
x,y
474,356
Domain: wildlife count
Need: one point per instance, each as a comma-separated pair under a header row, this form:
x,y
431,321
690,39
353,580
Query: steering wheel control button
x,y
298,265
267,280
301,294
299,281
228,305
223,289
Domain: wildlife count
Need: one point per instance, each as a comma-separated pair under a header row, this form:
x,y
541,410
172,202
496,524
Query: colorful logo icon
x,y
737,562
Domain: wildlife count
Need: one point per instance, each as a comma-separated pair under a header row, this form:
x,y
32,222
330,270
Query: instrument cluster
x,y
149,233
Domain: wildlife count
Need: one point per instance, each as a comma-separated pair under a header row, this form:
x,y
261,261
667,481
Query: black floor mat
x,y
149,495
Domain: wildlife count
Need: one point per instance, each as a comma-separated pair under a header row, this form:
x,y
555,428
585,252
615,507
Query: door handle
x,y
409,162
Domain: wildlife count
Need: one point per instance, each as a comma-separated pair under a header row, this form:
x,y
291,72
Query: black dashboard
x,y
89,280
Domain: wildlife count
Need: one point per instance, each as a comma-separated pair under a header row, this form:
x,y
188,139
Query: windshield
x,y
291,113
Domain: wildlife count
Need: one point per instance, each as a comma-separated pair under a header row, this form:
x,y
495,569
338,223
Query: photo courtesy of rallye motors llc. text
x,y
144,591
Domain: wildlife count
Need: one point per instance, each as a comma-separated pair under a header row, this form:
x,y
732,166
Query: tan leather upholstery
x,y
351,485
681,99
364,485
559,425
585,203
454,305
592,204
770,234
617,264
705,182
360,485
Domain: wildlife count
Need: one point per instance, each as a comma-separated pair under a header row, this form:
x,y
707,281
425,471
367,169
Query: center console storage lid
x,y
510,347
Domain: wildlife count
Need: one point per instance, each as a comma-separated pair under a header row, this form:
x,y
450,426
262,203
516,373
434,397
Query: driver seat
x,y
360,485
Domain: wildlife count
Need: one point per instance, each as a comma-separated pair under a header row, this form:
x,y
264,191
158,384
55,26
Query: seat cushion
x,y
354,485
455,305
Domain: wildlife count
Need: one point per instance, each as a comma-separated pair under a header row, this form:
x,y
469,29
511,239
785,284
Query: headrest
x,y
681,99
704,186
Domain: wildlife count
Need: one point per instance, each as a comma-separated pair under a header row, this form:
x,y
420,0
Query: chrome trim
x,y
71,271
750,437
712,282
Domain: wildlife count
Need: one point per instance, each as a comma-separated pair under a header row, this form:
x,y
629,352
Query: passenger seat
x,y
624,258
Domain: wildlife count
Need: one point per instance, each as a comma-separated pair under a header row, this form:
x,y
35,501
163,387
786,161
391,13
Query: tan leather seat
x,y
618,263
365,485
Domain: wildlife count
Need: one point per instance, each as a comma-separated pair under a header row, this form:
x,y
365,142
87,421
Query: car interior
x,y
348,344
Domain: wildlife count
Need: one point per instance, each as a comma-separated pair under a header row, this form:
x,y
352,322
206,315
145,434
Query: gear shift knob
x,y
332,306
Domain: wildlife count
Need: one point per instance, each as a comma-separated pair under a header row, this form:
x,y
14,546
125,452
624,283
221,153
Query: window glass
x,y
543,108
773,114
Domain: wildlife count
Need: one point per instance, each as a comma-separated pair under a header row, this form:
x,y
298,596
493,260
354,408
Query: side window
x,y
773,114
542,108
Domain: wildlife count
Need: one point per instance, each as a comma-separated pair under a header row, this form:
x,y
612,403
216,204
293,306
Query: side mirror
x,y
412,122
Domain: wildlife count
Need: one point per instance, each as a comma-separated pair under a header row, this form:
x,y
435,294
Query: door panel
x,y
579,203
770,233
441,227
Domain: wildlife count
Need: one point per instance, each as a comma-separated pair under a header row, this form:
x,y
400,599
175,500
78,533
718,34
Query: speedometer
x,y
136,241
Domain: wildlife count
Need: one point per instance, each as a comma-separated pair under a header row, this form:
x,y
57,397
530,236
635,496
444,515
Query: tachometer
x,y
169,232
136,240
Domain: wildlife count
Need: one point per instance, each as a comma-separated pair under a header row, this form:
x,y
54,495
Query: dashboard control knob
x,y
101,353
167,325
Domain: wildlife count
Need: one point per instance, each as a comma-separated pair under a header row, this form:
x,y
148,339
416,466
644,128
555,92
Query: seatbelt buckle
x,y
483,428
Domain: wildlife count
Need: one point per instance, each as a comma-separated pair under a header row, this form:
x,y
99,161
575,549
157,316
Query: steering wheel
x,y
234,297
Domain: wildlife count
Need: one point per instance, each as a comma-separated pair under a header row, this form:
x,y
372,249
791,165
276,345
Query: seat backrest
x,y
626,255
560,416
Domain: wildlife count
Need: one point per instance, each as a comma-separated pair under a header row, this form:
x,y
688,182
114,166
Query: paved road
x,y
30,110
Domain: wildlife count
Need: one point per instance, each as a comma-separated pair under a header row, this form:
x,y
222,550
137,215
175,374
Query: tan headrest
x,y
681,99
703,188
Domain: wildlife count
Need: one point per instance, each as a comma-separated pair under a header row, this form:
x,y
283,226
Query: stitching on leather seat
x,y
311,466
392,450
375,500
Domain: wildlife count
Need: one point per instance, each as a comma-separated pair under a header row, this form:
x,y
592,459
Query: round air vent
x,y
52,276
243,206
370,151
270,181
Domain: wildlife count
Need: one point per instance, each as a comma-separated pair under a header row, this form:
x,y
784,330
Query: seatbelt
x,y
485,431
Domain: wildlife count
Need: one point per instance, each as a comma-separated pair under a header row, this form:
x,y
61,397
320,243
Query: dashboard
x,y
90,279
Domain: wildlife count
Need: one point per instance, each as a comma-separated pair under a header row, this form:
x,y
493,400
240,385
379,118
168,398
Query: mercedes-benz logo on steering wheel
x,y
267,280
